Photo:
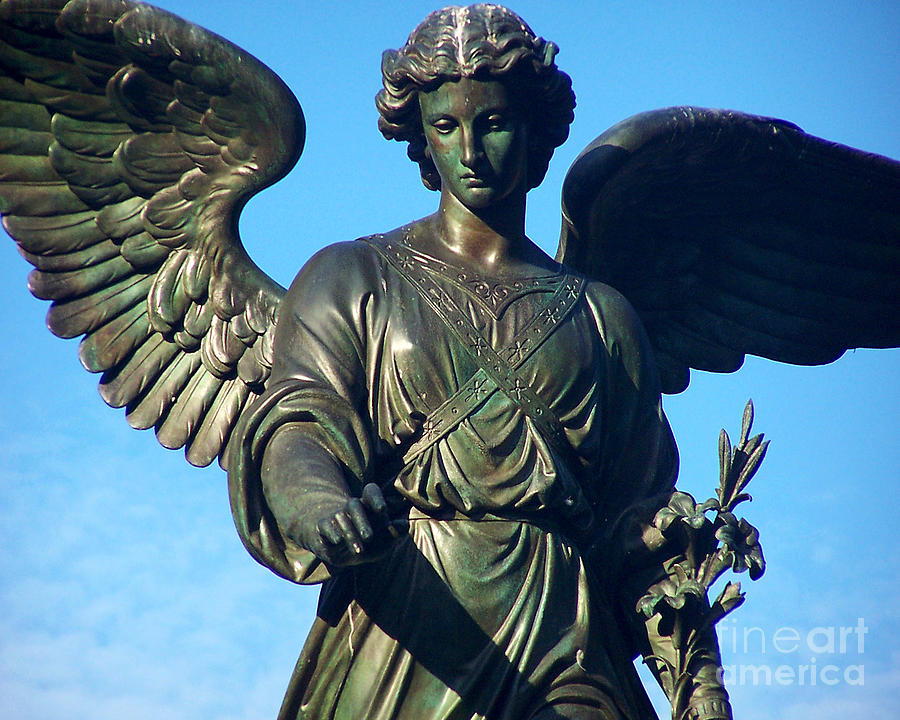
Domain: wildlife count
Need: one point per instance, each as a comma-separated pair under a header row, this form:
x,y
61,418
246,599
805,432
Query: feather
x,y
192,101
256,315
26,168
98,139
186,341
123,384
251,368
75,317
39,64
212,164
695,349
169,216
88,171
239,328
720,323
98,197
184,416
830,313
221,349
265,346
85,257
98,23
196,184
197,320
21,141
209,77
76,283
219,129
853,269
78,105
55,234
49,198
109,192
202,151
36,42
185,116
733,234
24,115
152,161
110,344
13,90
674,375
139,99
217,424
195,277
230,111
94,60
123,219
144,252
238,152
159,397
167,302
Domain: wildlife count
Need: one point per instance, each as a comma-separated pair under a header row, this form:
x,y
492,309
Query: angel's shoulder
x,y
340,270
610,306
350,256
615,318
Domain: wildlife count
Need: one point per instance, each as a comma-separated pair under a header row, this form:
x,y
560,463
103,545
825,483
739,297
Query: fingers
x,y
373,498
356,521
362,529
346,530
329,531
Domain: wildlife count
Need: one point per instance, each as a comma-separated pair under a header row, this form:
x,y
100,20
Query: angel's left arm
x,y
638,471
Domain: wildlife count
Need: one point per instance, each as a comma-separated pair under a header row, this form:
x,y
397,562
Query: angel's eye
x,y
443,125
497,123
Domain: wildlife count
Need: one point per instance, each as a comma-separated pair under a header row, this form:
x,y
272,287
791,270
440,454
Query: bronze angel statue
x,y
459,436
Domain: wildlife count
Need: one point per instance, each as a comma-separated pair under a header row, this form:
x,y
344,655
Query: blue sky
x,y
124,590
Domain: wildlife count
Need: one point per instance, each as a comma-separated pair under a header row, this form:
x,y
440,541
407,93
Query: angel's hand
x,y
360,531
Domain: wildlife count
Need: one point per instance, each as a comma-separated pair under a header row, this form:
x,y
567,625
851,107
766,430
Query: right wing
x,y
130,140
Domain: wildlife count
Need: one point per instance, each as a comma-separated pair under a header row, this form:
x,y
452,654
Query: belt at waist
x,y
543,524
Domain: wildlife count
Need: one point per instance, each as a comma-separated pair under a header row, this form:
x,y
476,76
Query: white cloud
x,y
129,596
843,701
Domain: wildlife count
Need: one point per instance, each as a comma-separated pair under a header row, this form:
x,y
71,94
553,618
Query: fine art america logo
x,y
822,655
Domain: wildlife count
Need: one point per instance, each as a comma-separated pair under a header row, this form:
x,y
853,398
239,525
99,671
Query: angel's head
x,y
481,42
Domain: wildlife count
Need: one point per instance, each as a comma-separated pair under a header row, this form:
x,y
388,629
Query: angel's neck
x,y
488,238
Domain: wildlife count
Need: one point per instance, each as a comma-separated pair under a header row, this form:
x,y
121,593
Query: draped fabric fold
x,y
286,403
455,623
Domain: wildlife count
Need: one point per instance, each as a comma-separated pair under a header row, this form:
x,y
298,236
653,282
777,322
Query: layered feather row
x,y
124,159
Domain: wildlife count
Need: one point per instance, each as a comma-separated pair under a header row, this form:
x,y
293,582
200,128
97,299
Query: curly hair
x,y
480,41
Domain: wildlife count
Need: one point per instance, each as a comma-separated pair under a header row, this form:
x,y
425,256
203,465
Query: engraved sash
x,y
496,370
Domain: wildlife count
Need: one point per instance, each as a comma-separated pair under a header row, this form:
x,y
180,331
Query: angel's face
x,y
478,140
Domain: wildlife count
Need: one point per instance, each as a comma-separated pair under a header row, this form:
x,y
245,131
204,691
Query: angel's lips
x,y
474,181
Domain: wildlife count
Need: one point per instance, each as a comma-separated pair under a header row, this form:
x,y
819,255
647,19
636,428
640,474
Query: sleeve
x,y
307,440
638,458
639,467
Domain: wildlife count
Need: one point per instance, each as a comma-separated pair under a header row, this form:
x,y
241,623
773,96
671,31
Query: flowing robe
x,y
512,594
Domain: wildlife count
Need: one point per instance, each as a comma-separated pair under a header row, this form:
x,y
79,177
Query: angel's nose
x,y
470,152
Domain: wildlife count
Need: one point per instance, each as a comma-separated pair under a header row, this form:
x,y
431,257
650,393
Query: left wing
x,y
733,234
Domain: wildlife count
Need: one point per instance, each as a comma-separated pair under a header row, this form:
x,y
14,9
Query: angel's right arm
x,y
313,472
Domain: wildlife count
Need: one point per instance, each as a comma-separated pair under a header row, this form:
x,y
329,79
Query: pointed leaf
x,y
751,466
724,461
747,421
